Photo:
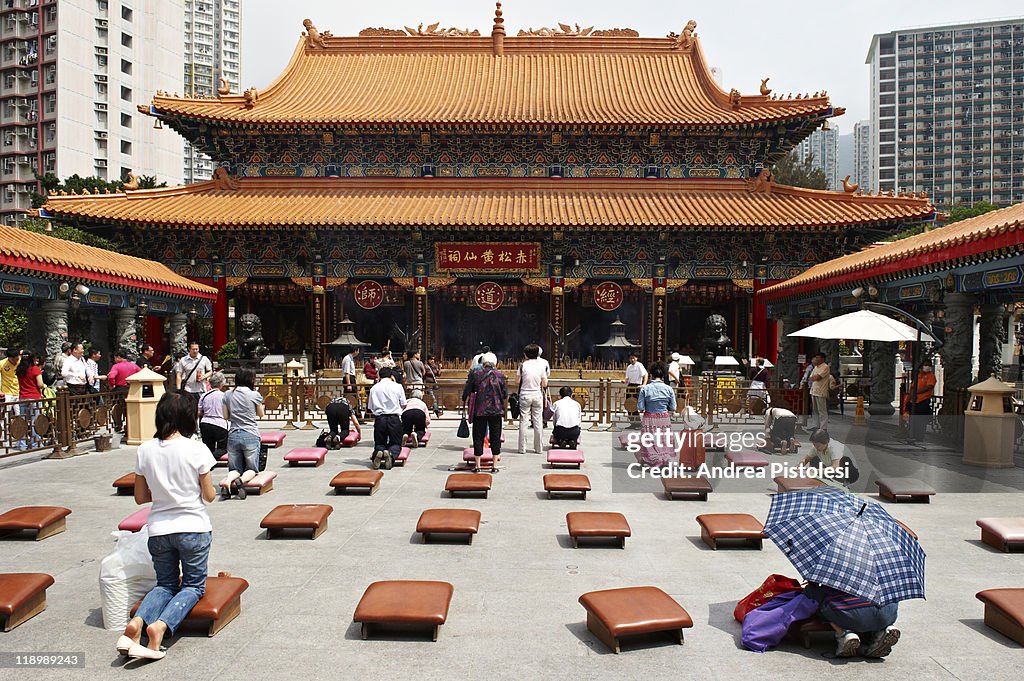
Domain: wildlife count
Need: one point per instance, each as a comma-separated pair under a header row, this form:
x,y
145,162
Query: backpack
x,y
852,474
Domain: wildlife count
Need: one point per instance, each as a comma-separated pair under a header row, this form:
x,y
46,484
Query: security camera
x,y
872,291
82,289
64,288
858,292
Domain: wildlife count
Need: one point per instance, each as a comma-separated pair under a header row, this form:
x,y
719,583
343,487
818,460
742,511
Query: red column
x,y
154,334
764,331
220,310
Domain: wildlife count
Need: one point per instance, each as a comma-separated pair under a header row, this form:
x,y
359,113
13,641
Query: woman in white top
x,y
566,419
173,472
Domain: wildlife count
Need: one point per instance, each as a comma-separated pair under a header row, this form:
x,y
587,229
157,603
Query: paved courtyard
x,y
514,614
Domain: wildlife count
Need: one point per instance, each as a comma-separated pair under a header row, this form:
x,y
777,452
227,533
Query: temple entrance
x,y
283,309
388,322
595,325
690,307
461,327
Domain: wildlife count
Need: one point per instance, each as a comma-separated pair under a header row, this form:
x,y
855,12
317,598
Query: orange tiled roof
x,y
538,80
40,254
505,202
939,248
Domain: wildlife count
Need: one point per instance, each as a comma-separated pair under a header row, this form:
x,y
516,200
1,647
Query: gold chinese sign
x,y
487,258
489,296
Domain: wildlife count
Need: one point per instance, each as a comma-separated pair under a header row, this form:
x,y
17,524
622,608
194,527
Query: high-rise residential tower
x,y
947,111
77,114
822,147
862,156
212,29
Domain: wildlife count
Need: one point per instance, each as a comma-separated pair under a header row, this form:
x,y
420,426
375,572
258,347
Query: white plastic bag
x,y
692,420
126,575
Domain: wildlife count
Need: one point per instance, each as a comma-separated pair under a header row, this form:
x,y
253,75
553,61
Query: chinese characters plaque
x,y
489,296
608,296
491,257
369,294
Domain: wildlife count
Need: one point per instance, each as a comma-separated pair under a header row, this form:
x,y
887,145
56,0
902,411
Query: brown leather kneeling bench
x,y
22,596
221,603
1004,611
406,603
614,613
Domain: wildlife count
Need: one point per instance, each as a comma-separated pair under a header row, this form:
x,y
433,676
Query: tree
x,y
67,233
795,173
956,214
77,184
12,327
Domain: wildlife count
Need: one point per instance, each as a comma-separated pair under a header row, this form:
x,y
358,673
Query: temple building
x,y
965,279
73,292
444,188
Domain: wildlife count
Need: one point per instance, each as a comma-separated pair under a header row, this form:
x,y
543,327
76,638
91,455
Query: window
x,y
126,13
126,147
101,89
101,62
8,165
51,74
51,103
126,120
101,118
126,67
101,5
126,40
126,93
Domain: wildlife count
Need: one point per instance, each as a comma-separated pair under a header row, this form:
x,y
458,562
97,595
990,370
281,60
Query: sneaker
x,y
881,642
375,460
239,487
387,462
847,644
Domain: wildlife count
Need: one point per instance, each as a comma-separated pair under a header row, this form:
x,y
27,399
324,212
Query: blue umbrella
x,y
839,540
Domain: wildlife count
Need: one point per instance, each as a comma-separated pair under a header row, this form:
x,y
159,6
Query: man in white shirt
x,y
76,372
636,376
92,368
533,383
673,370
348,370
192,371
819,382
567,419
636,372
386,402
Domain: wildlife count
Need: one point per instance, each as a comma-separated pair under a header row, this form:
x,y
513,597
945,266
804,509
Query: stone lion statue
x,y
250,338
716,340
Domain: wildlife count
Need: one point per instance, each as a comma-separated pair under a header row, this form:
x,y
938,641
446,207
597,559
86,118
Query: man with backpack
x,y
339,417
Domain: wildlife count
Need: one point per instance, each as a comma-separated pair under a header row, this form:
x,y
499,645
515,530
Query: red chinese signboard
x,y
489,296
608,296
369,294
492,257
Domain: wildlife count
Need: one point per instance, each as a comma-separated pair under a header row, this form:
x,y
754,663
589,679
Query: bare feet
x,y
155,633
134,629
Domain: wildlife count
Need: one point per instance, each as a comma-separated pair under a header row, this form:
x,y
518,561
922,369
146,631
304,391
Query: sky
x,y
802,46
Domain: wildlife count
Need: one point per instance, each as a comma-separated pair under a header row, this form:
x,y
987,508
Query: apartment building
x,y
212,51
71,75
947,111
822,147
862,156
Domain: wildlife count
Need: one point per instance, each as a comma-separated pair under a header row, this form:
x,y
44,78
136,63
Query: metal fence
x,y
299,402
59,423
